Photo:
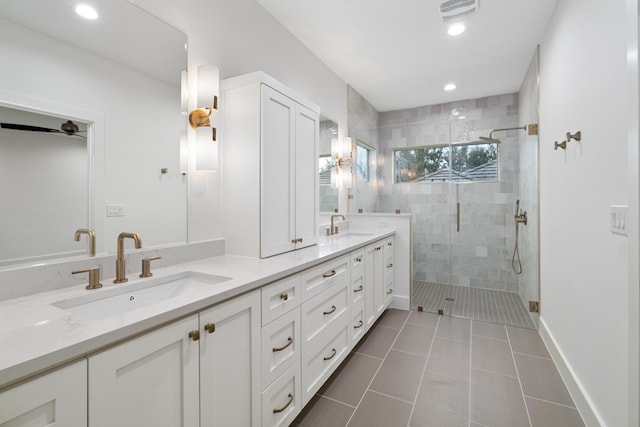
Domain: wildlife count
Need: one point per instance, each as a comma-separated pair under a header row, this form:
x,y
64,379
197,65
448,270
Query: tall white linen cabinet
x,y
270,167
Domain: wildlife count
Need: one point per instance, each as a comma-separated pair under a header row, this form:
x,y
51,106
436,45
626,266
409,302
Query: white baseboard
x,y
400,302
584,405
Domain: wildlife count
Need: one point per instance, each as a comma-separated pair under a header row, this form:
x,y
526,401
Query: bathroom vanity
x,y
221,341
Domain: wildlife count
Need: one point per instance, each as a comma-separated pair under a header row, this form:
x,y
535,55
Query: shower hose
x,y
515,259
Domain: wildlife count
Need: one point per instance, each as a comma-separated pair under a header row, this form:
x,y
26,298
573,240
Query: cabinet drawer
x,y
357,260
356,290
280,345
324,276
282,400
320,361
280,297
321,312
357,324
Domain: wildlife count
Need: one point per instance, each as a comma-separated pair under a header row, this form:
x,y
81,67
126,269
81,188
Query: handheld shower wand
x,y
520,217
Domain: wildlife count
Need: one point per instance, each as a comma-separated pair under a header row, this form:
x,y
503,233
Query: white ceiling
x,y
397,54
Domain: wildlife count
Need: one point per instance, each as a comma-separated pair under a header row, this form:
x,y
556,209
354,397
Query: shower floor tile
x,y
486,305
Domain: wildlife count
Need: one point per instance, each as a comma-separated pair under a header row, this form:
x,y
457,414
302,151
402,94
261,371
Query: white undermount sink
x,y
124,298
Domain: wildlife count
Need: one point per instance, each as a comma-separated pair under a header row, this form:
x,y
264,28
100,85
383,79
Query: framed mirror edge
x,y
95,164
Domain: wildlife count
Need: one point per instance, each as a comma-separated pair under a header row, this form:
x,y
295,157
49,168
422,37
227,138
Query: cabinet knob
x,y
284,297
210,327
194,335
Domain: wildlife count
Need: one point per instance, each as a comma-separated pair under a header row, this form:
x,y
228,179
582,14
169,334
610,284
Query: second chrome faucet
x,y
120,262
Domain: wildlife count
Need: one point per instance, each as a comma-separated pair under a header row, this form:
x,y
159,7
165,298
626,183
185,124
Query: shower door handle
x,y
458,217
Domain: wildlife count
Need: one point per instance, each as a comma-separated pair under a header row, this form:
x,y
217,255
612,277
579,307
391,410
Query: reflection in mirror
x,y
120,76
328,194
43,181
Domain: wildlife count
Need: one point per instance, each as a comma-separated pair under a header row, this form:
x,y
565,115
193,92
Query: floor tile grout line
x,y
532,355
495,373
551,402
336,400
375,325
390,396
470,368
424,370
368,355
526,407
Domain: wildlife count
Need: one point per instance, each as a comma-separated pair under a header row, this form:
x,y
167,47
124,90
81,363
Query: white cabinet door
x,y
277,178
369,310
148,381
230,358
378,279
55,399
306,182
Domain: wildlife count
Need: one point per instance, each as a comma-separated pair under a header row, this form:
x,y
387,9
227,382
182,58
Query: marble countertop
x,y
36,336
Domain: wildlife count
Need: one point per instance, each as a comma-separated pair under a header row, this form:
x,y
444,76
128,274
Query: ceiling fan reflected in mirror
x,y
68,128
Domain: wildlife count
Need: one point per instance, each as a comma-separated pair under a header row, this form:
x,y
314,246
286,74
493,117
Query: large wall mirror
x,y
117,78
328,194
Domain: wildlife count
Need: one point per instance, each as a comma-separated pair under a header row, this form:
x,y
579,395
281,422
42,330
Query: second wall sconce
x,y
341,173
206,117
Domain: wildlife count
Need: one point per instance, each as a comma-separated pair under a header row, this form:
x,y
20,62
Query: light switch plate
x,y
619,219
115,210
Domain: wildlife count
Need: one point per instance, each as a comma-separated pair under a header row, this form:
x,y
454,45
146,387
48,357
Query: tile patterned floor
x,y
486,305
419,369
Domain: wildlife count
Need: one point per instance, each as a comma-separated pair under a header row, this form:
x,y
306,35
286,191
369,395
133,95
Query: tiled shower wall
x,y
328,197
480,253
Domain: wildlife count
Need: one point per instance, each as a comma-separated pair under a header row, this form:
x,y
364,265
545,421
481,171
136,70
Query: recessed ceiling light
x,y
456,29
449,87
86,11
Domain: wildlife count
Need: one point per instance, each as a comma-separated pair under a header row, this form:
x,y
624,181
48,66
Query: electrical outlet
x,y
115,210
619,219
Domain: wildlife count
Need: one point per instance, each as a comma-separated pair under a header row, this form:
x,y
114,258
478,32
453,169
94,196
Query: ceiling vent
x,y
451,9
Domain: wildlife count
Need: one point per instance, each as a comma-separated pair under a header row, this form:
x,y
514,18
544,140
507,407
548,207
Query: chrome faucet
x,y
120,264
334,228
92,239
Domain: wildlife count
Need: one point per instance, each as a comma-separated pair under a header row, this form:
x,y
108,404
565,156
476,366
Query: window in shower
x,y
363,161
461,162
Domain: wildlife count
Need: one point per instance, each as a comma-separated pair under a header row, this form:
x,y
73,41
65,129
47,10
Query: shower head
x,y
495,140
489,139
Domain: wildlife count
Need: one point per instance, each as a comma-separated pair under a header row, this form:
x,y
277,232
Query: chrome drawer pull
x,y
284,297
329,274
289,342
358,290
333,308
332,356
390,265
358,326
389,291
278,410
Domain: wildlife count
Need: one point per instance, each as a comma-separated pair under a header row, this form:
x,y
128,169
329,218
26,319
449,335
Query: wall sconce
x,y
204,117
341,173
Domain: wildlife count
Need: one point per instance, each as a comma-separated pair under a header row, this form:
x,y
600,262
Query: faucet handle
x,y
94,277
146,266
